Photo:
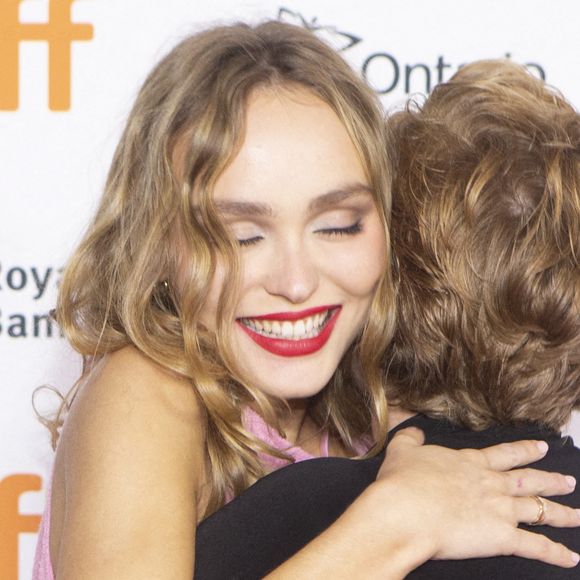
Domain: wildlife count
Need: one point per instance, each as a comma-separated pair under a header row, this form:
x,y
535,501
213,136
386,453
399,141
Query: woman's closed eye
x,y
250,241
350,230
247,233
339,222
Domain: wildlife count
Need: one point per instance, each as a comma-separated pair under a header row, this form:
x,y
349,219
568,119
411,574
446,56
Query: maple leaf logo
x,y
338,39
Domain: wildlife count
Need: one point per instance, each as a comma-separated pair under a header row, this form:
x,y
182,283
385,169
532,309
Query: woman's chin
x,y
287,377
290,390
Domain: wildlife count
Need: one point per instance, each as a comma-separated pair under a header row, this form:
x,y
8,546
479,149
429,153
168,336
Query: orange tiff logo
x,y
12,522
59,32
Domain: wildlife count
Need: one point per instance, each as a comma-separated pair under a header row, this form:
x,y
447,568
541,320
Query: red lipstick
x,y
287,346
295,315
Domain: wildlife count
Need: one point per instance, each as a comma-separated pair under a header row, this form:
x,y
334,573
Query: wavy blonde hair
x,y
486,229
114,293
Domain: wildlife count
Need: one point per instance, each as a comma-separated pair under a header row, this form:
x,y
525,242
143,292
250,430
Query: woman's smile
x,y
292,333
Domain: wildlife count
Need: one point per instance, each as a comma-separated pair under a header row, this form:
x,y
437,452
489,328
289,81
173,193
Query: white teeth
x,y
287,330
308,327
299,328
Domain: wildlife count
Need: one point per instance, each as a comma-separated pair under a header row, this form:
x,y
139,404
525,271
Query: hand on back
x,y
465,504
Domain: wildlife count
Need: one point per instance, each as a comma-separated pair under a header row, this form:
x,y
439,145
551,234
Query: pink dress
x,y
42,569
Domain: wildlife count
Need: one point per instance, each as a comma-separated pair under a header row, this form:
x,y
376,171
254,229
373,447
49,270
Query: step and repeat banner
x,y
69,71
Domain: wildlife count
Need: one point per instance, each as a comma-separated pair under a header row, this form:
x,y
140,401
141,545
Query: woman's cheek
x,y
362,265
256,265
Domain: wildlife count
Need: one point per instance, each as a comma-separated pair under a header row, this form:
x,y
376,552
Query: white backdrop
x,y
53,162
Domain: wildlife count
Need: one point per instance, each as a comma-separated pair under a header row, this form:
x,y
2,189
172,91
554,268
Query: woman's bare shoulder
x,y
128,398
127,381
133,455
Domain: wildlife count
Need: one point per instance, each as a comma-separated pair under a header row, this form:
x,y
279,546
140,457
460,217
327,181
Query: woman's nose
x,y
292,274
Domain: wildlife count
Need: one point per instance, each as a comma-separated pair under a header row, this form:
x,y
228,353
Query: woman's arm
x,y
132,451
365,542
432,502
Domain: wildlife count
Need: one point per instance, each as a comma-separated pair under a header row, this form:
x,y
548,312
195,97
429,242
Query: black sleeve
x,y
277,516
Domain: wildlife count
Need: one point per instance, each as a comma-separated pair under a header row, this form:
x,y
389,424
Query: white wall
x,y
52,163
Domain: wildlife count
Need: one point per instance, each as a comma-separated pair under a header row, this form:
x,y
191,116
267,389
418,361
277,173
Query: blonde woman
x,y
232,301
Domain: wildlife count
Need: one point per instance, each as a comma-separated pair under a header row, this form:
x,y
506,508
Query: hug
x,y
278,273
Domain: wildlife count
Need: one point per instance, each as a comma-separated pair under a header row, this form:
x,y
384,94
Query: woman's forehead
x,y
294,148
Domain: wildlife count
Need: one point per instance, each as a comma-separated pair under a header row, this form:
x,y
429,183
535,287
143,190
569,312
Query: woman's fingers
x,y
536,510
539,547
423,479
509,455
524,482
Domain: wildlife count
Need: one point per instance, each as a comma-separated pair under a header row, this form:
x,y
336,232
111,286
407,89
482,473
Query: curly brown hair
x,y
486,231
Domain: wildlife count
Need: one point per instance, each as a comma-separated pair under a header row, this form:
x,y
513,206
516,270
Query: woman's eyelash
x,y
250,241
348,231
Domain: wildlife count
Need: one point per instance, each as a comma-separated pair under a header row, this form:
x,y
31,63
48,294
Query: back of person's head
x,y
486,230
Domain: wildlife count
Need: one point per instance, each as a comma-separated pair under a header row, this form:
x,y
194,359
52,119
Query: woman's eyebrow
x,y
335,196
243,208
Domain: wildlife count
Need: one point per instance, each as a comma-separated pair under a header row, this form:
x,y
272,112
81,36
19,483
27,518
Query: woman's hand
x,y
463,504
